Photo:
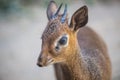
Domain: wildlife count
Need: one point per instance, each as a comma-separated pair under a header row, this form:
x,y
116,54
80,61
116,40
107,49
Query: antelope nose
x,y
40,64
41,60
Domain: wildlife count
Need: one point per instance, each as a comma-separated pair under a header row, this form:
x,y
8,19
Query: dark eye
x,y
63,40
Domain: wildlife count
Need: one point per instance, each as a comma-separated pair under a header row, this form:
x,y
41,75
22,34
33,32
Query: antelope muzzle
x,y
44,60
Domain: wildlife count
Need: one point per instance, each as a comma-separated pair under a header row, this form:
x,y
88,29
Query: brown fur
x,y
92,64
84,58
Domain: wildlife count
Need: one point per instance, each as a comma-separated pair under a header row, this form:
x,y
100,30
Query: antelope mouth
x,y
49,62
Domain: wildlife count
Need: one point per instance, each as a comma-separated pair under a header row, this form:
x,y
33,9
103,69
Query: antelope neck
x,y
74,67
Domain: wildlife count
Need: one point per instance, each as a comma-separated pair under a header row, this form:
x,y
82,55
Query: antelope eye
x,y
63,40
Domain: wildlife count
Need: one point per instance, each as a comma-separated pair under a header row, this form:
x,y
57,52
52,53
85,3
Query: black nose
x,y
40,64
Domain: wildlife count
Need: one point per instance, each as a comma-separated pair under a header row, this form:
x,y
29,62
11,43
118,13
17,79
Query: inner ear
x,y
79,18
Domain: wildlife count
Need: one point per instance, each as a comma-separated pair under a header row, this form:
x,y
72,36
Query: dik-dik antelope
x,y
76,51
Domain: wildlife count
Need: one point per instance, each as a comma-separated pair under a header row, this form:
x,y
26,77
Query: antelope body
x,y
77,52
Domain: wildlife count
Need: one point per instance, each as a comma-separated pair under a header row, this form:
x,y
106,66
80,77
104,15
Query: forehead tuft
x,y
52,28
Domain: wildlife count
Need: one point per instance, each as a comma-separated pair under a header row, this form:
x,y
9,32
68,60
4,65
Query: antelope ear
x,y
52,8
79,18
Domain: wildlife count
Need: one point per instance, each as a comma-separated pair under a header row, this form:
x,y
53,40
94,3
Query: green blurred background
x,y
7,6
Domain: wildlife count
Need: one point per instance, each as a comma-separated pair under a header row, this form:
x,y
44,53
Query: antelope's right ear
x,y
52,8
79,18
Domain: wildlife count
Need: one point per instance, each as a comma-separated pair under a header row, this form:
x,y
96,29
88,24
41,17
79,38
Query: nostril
x,y
40,64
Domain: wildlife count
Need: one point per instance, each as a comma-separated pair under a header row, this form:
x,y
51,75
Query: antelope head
x,y
59,39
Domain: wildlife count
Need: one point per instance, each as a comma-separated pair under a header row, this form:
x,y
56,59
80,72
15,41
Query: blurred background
x,y
23,21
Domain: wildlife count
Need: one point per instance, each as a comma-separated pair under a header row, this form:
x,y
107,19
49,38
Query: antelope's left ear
x,y
79,18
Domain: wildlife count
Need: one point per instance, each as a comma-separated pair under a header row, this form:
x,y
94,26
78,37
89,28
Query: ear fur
x,y
79,18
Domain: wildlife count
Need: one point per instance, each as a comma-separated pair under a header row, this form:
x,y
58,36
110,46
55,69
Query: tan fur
x,y
92,64
84,58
